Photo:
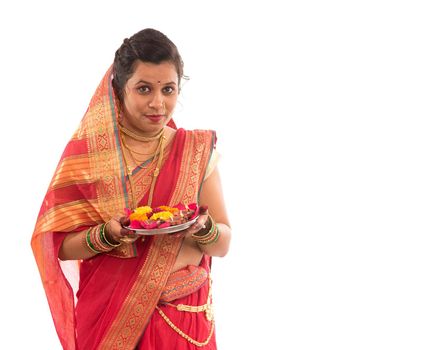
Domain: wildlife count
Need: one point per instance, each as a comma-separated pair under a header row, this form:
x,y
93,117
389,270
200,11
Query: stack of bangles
x,y
96,240
209,234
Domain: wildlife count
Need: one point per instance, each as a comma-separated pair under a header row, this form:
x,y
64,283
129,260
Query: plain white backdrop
x,y
318,110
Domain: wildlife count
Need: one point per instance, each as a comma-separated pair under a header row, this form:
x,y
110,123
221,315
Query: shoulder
x,y
207,137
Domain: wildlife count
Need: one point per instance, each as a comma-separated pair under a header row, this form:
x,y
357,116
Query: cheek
x,y
171,105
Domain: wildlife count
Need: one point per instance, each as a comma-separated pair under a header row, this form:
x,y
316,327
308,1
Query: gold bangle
x,y
96,240
210,237
200,235
206,228
213,237
104,236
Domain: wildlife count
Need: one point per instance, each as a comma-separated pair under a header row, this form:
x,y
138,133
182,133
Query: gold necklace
x,y
131,150
141,138
157,156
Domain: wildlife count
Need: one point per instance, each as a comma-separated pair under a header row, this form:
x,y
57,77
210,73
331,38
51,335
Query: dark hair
x,y
148,45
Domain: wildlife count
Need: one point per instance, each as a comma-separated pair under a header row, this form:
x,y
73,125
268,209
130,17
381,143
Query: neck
x,y
141,137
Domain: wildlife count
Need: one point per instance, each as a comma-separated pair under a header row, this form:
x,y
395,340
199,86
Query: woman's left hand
x,y
198,225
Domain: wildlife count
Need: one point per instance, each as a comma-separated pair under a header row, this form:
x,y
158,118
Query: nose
x,y
157,101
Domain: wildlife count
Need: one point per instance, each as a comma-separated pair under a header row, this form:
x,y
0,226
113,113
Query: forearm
x,y
87,243
221,246
74,247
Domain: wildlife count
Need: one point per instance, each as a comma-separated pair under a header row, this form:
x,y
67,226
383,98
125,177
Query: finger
x,y
124,232
203,209
199,225
124,221
202,220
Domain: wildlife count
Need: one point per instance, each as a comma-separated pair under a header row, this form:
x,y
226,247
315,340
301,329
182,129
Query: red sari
x,y
115,304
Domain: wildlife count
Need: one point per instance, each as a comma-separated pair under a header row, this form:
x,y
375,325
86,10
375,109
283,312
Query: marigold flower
x,y
143,210
171,209
163,215
137,216
140,213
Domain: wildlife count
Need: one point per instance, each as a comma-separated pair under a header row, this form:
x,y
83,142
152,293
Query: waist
x,y
184,282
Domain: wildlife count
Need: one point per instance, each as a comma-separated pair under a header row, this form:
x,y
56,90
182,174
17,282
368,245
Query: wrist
x,y
208,235
95,241
206,228
107,237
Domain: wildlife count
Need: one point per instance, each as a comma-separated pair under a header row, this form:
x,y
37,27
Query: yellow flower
x,y
140,213
162,215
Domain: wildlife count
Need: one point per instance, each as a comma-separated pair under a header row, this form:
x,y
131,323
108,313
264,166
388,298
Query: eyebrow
x,y
147,82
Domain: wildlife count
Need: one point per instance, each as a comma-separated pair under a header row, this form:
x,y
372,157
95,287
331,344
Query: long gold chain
x,y
128,173
207,308
157,156
184,335
158,168
135,151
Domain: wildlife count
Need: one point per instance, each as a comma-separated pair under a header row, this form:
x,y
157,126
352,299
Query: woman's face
x,y
150,96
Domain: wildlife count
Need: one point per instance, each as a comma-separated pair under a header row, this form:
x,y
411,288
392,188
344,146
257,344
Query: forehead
x,y
164,72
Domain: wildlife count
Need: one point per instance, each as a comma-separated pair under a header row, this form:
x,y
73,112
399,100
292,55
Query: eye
x,y
168,90
144,89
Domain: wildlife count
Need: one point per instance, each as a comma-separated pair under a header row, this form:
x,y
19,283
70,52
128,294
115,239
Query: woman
x,y
134,292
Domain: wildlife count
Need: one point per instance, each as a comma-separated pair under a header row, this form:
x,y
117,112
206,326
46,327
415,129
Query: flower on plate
x,y
162,215
171,209
140,213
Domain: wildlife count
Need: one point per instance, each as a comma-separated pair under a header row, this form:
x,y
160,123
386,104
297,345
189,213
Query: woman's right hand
x,y
116,232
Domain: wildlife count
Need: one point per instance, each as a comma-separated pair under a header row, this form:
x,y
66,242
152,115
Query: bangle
x,y
103,236
96,240
88,241
210,237
213,237
206,228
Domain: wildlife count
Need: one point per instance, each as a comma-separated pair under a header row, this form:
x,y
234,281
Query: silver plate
x,y
164,230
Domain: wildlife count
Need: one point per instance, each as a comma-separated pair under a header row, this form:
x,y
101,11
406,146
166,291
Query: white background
x,y
317,106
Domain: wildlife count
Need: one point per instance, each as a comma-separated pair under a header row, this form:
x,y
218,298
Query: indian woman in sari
x,y
107,287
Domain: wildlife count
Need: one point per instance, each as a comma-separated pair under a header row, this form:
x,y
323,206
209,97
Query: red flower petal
x,y
165,224
180,206
149,224
193,206
136,224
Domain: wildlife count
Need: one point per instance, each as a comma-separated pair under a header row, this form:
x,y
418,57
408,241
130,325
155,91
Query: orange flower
x,y
140,213
166,208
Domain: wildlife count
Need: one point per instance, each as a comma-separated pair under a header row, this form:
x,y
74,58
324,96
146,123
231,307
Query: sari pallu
x,y
118,291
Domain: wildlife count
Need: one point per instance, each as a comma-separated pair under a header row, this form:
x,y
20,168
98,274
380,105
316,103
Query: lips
x,y
155,117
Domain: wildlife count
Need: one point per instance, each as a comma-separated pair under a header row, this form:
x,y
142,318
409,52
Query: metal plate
x,y
162,231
